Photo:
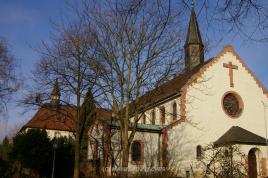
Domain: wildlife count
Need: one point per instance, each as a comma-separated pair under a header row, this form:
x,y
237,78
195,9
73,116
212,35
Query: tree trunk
x,y
77,126
125,151
125,154
77,141
76,158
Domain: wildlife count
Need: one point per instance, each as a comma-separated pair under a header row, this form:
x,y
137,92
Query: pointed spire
x,y
55,94
192,4
194,48
193,34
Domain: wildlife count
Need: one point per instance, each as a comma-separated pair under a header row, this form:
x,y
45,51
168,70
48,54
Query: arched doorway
x,y
252,164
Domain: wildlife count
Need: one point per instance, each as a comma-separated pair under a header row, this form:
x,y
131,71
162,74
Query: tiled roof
x,y
166,90
62,119
238,135
104,113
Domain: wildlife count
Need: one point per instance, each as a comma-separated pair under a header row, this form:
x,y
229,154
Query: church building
x,y
217,102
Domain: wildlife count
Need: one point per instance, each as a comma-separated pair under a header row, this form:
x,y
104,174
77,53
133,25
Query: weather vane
x,y
192,4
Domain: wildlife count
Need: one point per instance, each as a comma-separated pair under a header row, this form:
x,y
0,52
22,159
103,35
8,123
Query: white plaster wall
x,y
150,141
206,120
181,148
53,133
57,133
204,102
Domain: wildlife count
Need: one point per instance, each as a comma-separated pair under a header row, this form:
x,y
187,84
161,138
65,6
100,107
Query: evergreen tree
x,y
86,119
34,150
5,166
5,148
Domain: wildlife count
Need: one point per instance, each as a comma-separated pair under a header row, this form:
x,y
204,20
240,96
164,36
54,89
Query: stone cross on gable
x,y
231,67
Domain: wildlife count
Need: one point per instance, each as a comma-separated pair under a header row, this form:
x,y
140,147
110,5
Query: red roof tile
x,y
62,119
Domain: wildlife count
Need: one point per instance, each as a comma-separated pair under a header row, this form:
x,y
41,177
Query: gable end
x,y
227,48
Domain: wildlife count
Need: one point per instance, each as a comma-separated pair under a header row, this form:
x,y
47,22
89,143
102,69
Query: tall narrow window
x,y
153,117
143,117
137,152
163,116
198,152
174,107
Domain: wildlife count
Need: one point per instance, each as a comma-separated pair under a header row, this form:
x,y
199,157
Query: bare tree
x,y
65,59
8,81
225,161
137,47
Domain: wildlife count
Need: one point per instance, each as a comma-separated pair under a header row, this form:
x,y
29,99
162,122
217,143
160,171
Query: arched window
x,y
153,117
163,116
143,117
198,152
174,111
137,152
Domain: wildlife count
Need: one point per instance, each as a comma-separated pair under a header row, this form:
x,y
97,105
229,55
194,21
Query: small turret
x,y
55,94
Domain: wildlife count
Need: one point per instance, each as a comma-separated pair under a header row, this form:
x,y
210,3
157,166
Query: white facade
x,y
205,105
206,120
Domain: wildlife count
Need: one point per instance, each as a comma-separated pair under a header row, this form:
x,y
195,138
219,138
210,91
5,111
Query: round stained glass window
x,y
232,104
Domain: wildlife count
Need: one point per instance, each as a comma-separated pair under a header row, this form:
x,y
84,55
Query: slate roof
x,y
193,34
238,135
62,119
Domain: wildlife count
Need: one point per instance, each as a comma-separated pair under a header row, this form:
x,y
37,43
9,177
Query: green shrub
x,y
5,169
34,150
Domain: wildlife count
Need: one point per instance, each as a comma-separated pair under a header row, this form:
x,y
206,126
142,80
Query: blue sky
x,y
24,23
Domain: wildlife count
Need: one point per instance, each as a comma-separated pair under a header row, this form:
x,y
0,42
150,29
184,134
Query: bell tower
x,y
55,94
193,48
